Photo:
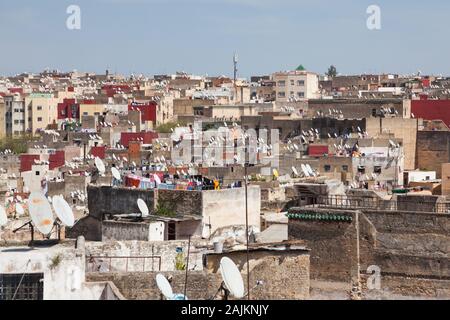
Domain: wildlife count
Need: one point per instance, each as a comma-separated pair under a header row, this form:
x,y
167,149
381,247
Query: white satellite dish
x,y
40,212
164,286
3,217
19,210
310,170
100,165
232,277
116,173
157,179
63,211
143,207
305,170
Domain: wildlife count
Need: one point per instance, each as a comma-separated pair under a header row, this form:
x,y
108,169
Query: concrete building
x,y
2,118
15,115
41,110
295,85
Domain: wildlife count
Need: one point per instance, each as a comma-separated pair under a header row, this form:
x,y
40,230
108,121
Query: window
x,y
281,94
374,112
39,119
85,113
16,121
301,83
282,83
377,169
427,178
31,286
292,82
39,108
327,168
361,169
345,168
292,93
301,94
171,231
38,173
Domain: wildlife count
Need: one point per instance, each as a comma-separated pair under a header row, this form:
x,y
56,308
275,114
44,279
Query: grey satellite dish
x,y
143,208
232,278
63,211
3,217
164,286
41,212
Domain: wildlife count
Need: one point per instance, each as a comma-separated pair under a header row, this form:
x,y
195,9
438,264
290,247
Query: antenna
x,y
3,217
232,278
41,212
143,208
116,174
63,211
164,286
100,165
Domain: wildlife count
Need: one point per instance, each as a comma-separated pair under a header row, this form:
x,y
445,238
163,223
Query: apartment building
x,y
41,110
15,115
296,85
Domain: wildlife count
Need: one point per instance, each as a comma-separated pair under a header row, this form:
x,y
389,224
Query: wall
x,y
227,207
107,200
433,149
285,274
405,129
140,231
407,246
167,250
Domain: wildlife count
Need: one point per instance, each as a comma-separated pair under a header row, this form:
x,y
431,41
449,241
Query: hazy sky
x,y
200,36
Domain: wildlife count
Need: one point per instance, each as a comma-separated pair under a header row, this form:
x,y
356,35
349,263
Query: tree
x,y
332,71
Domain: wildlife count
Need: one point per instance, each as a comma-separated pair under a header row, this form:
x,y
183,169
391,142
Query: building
x,y
41,110
15,115
296,85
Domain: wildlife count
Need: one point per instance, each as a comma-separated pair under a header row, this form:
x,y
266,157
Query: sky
x,y
200,36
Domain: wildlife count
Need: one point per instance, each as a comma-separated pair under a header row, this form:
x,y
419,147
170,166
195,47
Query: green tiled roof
x,y
320,217
300,68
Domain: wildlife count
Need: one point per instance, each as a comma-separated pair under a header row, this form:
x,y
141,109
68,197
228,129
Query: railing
x,y
126,263
355,203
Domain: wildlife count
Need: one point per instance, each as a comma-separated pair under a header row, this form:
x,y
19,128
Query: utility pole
x,y
247,231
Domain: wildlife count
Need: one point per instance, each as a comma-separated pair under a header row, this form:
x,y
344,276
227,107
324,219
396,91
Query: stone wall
x,y
405,245
284,274
166,250
181,202
433,149
142,285
106,200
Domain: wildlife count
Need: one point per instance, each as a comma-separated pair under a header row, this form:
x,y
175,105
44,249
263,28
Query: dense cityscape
x,y
340,182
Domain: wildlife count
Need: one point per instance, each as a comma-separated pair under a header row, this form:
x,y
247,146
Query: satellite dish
x,y
164,286
41,212
63,211
305,170
157,179
310,170
3,217
232,277
100,165
116,173
143,207
19,210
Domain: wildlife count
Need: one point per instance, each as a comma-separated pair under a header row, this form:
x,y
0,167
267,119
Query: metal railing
x,y
369,203
123,263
